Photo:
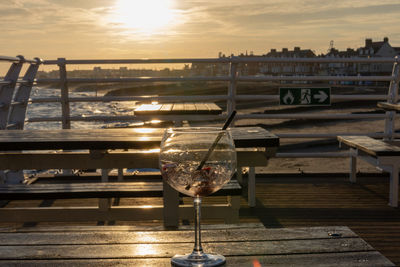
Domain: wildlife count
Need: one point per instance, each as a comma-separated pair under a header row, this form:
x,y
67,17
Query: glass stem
x,y
197,229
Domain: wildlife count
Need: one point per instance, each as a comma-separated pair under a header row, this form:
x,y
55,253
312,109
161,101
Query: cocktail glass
x,y
197,161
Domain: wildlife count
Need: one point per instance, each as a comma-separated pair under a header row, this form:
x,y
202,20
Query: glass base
x,y
198,260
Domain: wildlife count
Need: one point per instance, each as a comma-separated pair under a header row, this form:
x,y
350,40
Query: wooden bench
x,y
384,155
389,106
105,211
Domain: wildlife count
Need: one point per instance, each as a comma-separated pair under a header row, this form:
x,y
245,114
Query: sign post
x,y
305,96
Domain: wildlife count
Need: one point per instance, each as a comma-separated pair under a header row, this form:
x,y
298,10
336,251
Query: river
x,y
79,109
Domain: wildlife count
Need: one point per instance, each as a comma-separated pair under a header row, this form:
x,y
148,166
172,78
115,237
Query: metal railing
x,y
232,97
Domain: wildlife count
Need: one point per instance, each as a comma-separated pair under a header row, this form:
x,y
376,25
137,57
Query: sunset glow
x,y
101,29
142,16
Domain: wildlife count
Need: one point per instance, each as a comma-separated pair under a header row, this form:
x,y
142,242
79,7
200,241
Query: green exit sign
x,y
305,96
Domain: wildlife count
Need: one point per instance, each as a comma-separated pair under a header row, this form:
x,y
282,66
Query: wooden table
x,y
178,109
242,246
178,112
254,147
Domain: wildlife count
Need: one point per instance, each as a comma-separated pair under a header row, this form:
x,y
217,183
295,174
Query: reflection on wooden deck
x,y
303,200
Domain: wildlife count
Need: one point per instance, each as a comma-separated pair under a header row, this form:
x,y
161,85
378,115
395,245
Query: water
x,y
79,109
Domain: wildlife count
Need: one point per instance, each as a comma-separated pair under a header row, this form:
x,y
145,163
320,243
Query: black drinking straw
x,y
210,150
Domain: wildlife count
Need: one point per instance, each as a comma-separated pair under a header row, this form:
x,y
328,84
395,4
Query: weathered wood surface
x,y
101,139
370,146
178,109
356,259
389,106
81,236
110,159
270,247
123,228
96,190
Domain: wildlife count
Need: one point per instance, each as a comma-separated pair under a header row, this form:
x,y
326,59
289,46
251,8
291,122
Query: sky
x,y
115,29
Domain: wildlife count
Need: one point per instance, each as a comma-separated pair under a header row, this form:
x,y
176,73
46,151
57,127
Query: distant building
x,y
249,68
377,49
289,68
210,69
337,68
370,49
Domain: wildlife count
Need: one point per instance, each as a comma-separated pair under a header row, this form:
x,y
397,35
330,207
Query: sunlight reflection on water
x,y
77,109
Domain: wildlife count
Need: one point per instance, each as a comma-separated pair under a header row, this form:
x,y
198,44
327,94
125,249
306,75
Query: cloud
x,y
203,27
305,21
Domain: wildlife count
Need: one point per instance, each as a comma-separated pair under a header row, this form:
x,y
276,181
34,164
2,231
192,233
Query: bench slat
x,y
116,138
96,190
389,106
370,146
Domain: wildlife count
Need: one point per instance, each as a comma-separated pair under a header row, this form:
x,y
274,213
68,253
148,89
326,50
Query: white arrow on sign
x,y
321,96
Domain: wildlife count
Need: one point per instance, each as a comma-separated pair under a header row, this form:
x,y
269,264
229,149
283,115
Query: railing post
x,y
393,97
7,91
231,103
394,84
66,123
17,112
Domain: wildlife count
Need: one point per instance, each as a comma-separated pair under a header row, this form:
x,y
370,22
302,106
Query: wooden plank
x,y
78,160
354,259
116,213
146,250
370,146
201,108
84,190
190,108
101,139
166,108
97,139
149,109
227,235
213,108
82,214
123,228
156,262
178,109
389,106
96,190
81,160
253,137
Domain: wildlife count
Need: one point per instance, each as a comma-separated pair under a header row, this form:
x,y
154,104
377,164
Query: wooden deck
x,y
302,201
328,200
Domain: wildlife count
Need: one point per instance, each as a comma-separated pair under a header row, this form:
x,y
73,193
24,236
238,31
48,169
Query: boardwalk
x,y
327,200
306,200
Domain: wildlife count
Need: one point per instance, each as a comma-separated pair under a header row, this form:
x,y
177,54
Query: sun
x,y
146,16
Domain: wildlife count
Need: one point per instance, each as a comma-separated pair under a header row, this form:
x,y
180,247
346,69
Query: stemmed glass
x,y
197,161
